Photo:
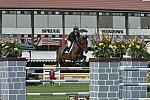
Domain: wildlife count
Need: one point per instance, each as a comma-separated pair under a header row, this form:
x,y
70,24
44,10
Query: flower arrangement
x,y
120,47
9,47
106,45
100,45
136,47
114,46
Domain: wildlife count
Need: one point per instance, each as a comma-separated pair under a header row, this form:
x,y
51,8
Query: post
x,y
104,78
63,26
13,78
127,23
32,27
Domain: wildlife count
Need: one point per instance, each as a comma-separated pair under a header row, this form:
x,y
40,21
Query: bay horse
x,y
76,52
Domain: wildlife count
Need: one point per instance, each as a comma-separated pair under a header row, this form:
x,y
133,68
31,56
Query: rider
x,y
73,37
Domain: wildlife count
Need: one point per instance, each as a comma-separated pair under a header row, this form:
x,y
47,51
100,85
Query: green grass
x,y
76,87
48,88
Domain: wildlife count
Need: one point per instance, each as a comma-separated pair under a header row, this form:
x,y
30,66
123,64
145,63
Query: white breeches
x,y
68,43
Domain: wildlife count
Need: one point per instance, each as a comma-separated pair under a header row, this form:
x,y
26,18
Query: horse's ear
x,y
85,36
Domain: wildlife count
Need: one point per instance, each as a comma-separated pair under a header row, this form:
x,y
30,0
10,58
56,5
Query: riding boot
x,y
66,49
69,48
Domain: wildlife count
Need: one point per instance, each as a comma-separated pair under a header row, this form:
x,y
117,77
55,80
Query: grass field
x,y
76,87
48,88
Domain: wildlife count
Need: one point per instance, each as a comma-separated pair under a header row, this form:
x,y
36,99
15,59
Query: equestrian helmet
x,y
76,28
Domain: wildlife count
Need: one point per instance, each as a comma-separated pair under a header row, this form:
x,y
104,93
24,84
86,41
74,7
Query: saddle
x,y
68,49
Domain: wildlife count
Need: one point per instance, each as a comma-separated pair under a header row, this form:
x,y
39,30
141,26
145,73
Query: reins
x,y
80,45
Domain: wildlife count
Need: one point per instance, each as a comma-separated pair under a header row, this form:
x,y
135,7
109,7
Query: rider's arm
x,y
78,35
72,37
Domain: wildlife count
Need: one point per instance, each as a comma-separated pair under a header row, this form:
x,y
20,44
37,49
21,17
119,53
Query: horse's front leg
x,y
84,57
83,62
73,63
64,62
75,59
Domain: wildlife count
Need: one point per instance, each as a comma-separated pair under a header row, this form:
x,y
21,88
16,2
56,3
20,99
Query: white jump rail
x,y
63,81
134,69
57,94
134,84
57,68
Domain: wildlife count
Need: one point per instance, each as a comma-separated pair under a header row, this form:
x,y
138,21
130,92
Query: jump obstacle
x,y
105,79
84,80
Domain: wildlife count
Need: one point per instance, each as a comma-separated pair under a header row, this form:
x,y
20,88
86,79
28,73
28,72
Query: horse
x,y
76,52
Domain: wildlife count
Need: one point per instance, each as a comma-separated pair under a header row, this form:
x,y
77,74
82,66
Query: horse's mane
x,y
78,43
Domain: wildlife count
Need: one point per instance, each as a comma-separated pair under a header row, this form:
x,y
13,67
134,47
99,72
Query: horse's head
x,y
84,43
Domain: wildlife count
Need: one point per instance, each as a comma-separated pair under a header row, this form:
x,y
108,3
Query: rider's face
x,y
76,31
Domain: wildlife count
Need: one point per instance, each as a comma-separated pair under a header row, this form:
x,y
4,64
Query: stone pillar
x,y
104,78
0,80
13,82
133,77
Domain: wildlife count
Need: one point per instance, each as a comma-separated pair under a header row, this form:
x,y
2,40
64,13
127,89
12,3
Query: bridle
x,y
84,49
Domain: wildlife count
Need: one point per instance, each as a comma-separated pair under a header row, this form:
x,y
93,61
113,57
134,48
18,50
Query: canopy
x,y
26,47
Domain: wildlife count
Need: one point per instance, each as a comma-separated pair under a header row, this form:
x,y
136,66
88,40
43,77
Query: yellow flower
x,y
11,41
19,41
144,49
122,46
100,44
111,46
94,46
137,46
130,45
140,41
16,49
133,42
112,42
101,38
107,37
114,47
6,47
128,49
3,44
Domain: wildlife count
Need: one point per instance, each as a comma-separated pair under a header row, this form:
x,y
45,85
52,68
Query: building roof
x,y
121,5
